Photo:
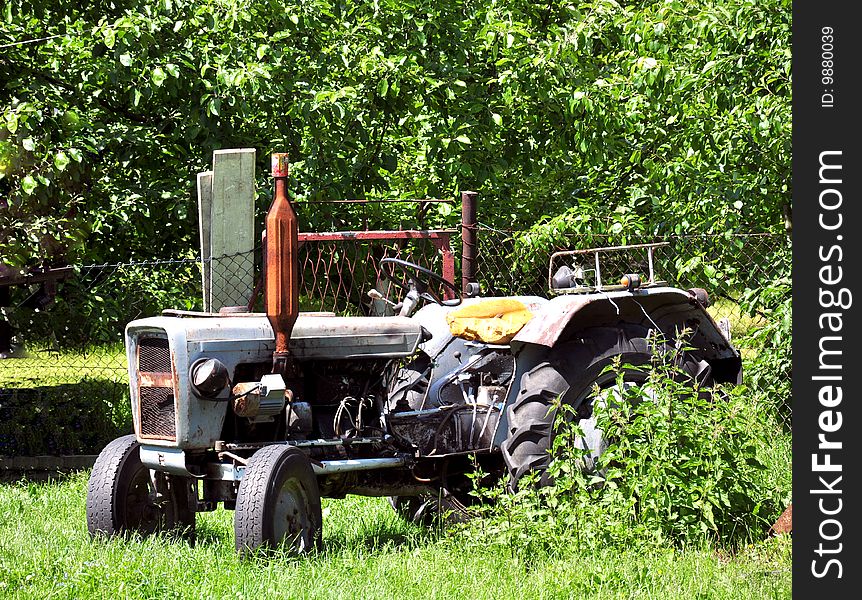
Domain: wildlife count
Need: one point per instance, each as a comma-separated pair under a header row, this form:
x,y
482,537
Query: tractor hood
x,y
161,350
315,335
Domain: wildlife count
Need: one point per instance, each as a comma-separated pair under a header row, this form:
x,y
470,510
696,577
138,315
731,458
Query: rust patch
x,y
784,524
546,326
164,380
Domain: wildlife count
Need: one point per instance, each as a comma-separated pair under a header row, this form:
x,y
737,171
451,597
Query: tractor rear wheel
x,y
571,372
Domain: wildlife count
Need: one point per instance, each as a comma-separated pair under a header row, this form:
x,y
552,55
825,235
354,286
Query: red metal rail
x,y
440,239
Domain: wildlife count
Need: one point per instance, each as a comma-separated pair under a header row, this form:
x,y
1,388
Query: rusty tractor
x,y
267,413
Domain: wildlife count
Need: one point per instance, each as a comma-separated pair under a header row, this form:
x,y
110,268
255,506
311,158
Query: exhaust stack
x,y
282,265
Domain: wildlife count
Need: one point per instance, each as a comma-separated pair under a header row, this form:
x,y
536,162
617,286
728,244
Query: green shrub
x,y
683,466
93,306
770,370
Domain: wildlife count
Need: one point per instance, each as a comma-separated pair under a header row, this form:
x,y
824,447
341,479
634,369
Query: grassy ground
x,y
741,324
45,552
45,367
70,402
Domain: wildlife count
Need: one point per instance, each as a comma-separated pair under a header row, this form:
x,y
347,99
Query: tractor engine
x,y
453,404
199,380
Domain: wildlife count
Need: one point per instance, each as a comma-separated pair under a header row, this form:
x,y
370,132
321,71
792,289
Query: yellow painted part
x,y
490,321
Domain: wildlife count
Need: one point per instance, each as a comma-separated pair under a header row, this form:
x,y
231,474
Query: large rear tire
x,y
121,497
571,372
278,502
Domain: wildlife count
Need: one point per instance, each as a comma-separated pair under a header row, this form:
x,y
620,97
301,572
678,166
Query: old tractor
x,y
267,413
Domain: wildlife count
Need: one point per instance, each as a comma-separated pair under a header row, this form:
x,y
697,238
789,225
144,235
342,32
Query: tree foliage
x,y
670,115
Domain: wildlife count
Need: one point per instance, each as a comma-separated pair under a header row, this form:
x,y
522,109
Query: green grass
x,y
45,552
69,402
741,323
48,367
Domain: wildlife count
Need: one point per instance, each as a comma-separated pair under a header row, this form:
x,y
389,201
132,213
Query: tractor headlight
x,y
209,378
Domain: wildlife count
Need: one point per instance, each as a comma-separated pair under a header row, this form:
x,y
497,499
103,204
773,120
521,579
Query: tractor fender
x,y
432,317
668,309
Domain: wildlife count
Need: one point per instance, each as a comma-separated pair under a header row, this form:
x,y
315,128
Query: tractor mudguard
x,y
664,308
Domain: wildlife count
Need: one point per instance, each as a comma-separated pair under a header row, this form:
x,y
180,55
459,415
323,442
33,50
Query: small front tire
x,y
278,502
122,498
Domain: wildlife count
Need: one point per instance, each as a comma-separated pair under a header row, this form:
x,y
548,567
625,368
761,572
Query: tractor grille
x,y
156,393
154,356
157,413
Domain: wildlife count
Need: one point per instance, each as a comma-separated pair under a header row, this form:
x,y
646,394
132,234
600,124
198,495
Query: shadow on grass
x,y
381,537
25,477
64,419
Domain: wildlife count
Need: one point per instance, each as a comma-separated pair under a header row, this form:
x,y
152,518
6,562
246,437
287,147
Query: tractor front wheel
x,y
278,502
123,498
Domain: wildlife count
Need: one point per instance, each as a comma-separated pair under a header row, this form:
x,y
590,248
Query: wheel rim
x,y
141,512
593,441
291,516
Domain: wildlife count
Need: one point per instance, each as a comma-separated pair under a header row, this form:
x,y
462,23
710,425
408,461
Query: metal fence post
x,y
469,238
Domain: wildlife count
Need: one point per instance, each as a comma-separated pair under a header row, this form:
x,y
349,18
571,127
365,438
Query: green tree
x,y
671,116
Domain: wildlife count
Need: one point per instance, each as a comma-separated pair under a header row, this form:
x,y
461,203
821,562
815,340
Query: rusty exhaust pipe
x,y
282,265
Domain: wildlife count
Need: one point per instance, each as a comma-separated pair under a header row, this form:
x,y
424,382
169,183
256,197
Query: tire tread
x,y
569,369
101,516
252,526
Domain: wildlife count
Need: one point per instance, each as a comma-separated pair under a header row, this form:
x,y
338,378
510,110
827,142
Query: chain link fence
x,y
726,265
63,369
337,271
746,276
63,378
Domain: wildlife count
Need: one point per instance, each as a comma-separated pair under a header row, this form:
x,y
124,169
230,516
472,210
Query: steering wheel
x,y
420,278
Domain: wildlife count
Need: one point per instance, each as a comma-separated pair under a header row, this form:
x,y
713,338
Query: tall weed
x,y
684,466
